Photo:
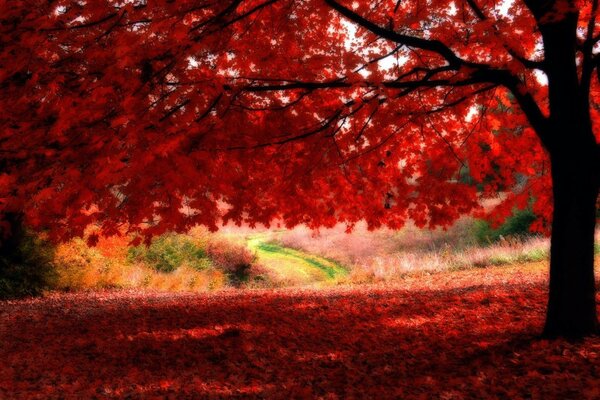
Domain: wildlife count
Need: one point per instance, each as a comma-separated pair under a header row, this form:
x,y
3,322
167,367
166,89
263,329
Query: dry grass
x,y
395,266
386,255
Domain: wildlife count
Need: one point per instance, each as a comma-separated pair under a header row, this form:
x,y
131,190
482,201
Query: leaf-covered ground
x,y
454,335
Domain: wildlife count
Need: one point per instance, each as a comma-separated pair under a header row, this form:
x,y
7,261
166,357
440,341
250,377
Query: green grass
x,y
332,269
294,265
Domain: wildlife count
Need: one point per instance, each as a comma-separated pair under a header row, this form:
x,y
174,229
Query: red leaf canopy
x,y
159,115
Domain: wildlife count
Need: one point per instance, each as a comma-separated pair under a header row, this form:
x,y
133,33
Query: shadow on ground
x,y
471,342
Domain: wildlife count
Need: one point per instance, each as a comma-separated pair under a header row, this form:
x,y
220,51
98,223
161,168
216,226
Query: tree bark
x,y
572,305
575,158
11,237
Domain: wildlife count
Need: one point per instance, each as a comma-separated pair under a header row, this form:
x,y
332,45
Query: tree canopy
x,y
159,115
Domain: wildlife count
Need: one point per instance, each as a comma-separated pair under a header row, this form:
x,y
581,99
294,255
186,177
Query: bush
x,y
80,267
233,259
515,226
25,264
168,252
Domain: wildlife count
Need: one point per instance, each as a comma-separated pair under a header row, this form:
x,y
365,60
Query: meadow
x,y
240,257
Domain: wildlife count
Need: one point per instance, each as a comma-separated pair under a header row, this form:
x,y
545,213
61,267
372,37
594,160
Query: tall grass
x,y
388,255
394,266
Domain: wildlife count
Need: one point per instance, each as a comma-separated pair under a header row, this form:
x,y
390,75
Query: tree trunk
x,y
572,305
11,234
575,159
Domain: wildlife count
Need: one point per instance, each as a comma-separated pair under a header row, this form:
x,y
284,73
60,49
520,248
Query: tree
x,y
149,116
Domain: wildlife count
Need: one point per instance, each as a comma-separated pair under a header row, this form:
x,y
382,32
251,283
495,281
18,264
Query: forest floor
x,y
444,335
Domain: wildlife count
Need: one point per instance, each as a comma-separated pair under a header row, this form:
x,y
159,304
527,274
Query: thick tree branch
x,y
527,63
539,8
482,73
476,10
434,46
531,109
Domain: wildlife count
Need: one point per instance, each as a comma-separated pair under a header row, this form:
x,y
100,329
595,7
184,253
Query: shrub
x,y
199,252
168,252
515,226
25,264
79,266
233,259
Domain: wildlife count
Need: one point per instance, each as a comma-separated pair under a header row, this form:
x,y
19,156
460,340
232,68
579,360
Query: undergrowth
x,y
26,267
203,261
172,262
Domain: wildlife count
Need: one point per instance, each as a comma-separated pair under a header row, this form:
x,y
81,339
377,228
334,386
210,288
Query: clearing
x,y
291,265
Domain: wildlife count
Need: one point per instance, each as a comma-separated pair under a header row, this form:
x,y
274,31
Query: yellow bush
x,y
81,267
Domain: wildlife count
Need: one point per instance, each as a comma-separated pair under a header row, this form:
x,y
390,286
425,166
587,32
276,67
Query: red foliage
x,y
434,337
150,116
140,112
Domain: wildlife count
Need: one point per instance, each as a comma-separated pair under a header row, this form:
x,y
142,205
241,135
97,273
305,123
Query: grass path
x,y
294,266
